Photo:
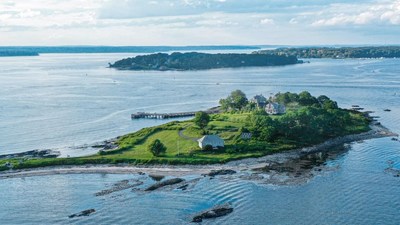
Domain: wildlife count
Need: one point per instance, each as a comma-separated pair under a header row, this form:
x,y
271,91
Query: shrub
x,y
208,148
157,148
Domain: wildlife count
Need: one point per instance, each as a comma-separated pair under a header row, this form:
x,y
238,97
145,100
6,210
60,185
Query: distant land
x,y
10,52
340,53
35,50
201,61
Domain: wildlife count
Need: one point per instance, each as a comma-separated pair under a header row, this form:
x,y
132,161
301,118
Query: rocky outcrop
x,y
164,183
47,153
83,213
120,186
217,211
214,173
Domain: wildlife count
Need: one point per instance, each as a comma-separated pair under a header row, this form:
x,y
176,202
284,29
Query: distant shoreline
x,y
377,131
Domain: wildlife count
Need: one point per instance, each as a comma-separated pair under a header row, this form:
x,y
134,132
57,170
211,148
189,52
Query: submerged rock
x,y
164,183
214,173
120,186
216,211
83,213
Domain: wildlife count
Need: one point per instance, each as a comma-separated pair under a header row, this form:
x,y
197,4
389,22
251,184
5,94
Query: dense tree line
x,y
199,61
344,52
312,121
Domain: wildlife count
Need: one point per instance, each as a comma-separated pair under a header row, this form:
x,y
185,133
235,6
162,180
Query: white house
x,y
275,108
214,140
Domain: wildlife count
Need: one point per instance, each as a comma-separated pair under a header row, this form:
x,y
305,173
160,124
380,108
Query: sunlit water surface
x,y
59,101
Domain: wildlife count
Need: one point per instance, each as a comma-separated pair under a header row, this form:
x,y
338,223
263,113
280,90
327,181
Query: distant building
x,y
214,140
275,108
259,100
246,135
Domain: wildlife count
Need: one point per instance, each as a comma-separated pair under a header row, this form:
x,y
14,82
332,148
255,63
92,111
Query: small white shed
x,y
214,140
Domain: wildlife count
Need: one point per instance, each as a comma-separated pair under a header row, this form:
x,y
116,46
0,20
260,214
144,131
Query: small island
x,y
338,53
201,61
240,128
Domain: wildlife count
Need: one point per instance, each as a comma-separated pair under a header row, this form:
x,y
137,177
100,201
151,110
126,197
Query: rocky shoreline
x,y
249,164
47,153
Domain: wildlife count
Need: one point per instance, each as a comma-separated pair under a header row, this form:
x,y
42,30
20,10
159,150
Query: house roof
x,y
259,99
210,138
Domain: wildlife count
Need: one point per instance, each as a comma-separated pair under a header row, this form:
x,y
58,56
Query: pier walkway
x,y
145,115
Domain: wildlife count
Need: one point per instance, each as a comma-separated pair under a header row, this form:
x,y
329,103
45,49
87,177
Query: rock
x,y
120,186
183,187
164,183
221,172
83,213
156,177
217,211
47,153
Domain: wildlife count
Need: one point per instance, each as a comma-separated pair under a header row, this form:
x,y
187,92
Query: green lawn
x,y
133,147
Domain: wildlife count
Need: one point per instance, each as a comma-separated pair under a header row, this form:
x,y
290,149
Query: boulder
x,y
214,173
216,211
83,213
164,183
156,177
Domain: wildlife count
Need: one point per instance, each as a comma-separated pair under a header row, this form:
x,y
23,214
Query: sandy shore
x,y
377,131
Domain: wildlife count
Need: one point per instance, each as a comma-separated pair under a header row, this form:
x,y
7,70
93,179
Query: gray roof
x,y
210,138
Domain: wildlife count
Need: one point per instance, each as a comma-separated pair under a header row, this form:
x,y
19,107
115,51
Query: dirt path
x,y
180,133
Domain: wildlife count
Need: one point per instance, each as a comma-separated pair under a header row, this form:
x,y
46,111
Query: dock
x,y
145,115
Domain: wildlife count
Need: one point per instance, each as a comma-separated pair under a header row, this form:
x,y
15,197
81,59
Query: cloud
x,y
267,21
180,22
381,12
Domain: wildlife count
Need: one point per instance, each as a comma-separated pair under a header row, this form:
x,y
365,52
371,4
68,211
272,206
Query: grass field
x,y
181,149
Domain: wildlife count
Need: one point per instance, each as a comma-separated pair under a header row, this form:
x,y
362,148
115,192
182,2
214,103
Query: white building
x,y
275,108
214,140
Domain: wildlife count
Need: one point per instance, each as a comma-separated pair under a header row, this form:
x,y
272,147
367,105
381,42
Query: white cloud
x,y
267,21
182,22
381,12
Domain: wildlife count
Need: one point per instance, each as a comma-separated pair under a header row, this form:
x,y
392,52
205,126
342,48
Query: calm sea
x,y
65,100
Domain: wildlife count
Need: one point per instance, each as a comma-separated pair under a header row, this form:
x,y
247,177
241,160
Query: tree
x,y
201,119
306,99
236,101
157,147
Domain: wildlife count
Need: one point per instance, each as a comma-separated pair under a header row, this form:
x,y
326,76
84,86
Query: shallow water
x,y
50,102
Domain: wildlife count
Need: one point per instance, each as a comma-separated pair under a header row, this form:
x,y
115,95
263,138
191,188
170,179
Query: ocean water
x,y
63,100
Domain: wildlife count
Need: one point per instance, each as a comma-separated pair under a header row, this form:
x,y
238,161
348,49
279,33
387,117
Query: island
x,y
337,53
241,128
201,61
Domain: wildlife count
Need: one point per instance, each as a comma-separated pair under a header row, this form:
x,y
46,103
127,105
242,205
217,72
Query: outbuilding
x,y
213,140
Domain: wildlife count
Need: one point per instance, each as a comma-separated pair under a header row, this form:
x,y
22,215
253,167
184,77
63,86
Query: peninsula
x,y
201,61
337,53
243,128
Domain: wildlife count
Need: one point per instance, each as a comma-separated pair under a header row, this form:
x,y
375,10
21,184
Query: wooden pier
x,y
145,115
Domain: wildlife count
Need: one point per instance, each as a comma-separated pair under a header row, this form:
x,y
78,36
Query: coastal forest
x,y
201,61
335,53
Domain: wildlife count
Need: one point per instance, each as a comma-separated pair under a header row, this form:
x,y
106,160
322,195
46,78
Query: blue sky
x,y
196,22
